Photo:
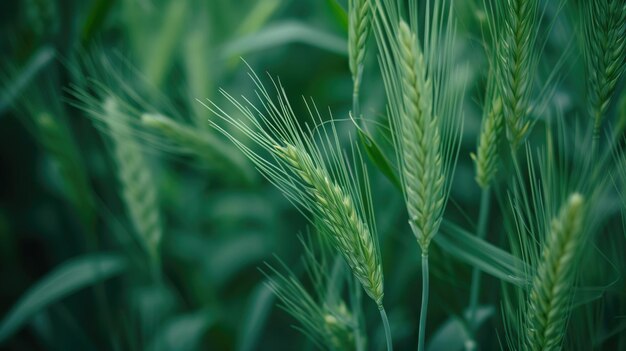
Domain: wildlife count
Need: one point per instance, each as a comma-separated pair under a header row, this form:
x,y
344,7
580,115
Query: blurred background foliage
x,y
62,210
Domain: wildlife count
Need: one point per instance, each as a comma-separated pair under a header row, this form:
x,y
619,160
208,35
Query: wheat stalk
x,y
552,287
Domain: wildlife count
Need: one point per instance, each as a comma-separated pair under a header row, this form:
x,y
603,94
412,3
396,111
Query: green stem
x,y
356,307
481,232
383,316
424,310
355,102
595,141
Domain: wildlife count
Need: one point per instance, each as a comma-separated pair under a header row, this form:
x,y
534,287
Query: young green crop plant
x,y
319,178
424,114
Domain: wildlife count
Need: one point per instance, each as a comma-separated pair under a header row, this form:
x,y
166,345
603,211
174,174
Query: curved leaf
x,y
66,279
285,33
481,254
378,157
453,335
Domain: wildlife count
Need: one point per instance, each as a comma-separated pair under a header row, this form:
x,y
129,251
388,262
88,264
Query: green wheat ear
x,y
350,234
136,180
552,288
317,177
424,109
605,49
358,30
517,62
486,157
425,115
420,143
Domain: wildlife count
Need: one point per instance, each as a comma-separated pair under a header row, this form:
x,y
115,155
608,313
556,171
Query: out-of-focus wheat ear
x,y
486,157
202,144
358,31
517,55
348,231
420,143
552,288
605,49
138,187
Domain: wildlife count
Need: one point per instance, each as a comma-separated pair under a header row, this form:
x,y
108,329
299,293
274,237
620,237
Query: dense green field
x,y
299,175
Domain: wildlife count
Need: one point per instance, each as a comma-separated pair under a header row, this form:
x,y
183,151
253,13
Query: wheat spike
x,y
554,279
605,41
136,179
517,62
318,178
486,157
358,30
348,232
420,143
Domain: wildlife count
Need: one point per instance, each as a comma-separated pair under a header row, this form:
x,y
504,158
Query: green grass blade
x,y
68,278
283,33
183,332
481,254
38,62
453,334
258,312
379,159
339,12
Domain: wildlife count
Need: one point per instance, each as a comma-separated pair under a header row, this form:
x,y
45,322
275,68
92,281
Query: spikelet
x,y
551,292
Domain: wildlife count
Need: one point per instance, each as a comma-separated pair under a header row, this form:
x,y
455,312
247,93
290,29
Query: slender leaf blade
x,y
66,279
